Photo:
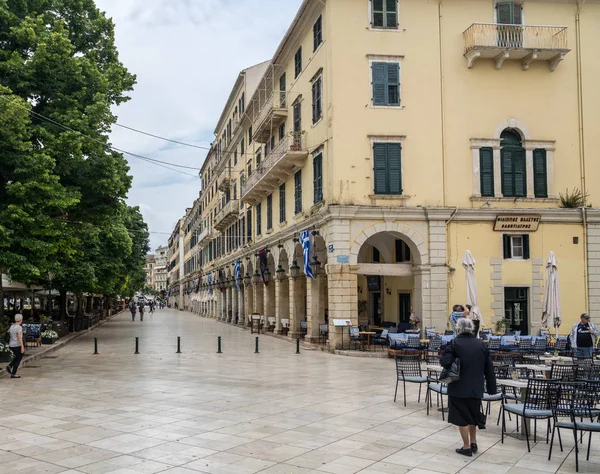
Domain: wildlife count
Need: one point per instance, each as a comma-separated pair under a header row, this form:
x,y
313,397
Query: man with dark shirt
x,y
583,337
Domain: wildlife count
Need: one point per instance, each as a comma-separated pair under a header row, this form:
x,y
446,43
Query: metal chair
x,y
582,409
434,385
561,345
587,372
382,339
435,344
525,344
540,345
432,358
563,372
494,343
356,337
408,369
413,344
540,401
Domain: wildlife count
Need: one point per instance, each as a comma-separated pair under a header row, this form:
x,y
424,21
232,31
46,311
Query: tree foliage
x,y
62,190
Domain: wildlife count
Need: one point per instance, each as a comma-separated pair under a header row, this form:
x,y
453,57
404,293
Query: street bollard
x,y
95,345
178,344
137,345
297,345
256,347
219,345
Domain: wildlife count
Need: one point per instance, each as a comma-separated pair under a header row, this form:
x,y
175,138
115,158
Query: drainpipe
x,y
585,257
442,106
580,97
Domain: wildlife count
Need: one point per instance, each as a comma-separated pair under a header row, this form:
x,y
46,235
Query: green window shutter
x,y
259,219
394,169
378,13
298,192
391,15
270,212
317,109
540,173
380,168
282,90
504,13
282,203
298,62
520,173
318,178
517,14
297,117
393,84
526,252
486,171
508,186
380,75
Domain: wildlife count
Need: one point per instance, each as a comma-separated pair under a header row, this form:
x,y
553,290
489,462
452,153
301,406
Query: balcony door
x,y
509,17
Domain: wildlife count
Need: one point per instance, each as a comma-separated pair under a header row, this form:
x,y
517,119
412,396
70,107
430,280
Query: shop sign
x,y
513,223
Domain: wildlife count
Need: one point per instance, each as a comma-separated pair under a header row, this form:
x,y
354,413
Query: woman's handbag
x,y
451,374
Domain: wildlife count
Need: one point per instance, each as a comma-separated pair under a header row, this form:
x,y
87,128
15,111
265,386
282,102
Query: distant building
x,y
149,269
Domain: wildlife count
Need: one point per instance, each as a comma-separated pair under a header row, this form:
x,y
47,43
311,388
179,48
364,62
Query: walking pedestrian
x,y
583,337
141,310
133,309
16,346
465,394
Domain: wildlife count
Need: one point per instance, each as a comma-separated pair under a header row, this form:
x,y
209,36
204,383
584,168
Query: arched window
x,y
514,179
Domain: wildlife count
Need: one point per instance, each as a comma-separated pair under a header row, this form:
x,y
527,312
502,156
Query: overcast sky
x,y
186,55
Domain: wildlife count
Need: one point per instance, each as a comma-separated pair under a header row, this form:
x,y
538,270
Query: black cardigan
x,y
475,364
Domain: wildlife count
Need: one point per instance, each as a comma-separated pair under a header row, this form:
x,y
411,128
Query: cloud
x,y
186,55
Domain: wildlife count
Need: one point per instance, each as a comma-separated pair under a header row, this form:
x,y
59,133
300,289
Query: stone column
x,y
315,306
269,308
434,279
342,281
249,302
234,304
297,306
282,304
241,306
259,302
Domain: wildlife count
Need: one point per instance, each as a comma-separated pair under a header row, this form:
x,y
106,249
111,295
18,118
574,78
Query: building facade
x,y
382,141
161,257
174,267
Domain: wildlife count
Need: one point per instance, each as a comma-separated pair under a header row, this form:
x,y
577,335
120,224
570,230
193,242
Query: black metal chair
x,y
582,409
525,345
539,404
382,339
435,386
540,345
563,372
560,346
413,344
432,358
494,343
408,370
356,337
587,372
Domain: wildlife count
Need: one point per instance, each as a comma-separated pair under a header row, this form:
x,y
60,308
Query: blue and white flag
x,y
209,279
305,239
238,274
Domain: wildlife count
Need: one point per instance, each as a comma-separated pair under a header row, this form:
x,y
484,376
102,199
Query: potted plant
x,y
6,354
49,336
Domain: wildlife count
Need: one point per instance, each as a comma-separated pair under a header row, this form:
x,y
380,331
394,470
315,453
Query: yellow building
x,y
401,134
175,267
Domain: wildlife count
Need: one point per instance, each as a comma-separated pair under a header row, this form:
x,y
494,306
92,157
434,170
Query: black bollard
x,y
219,345
178,344
297,345
95,345
137,345
256,346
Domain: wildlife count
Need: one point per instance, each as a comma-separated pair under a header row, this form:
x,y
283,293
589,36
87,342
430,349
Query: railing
x,y
203,235
292,142
231,207
494,35
272,102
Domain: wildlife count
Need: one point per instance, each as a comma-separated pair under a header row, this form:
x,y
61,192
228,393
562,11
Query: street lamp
x,y
294,269
316,265
267,276
247,280
256,277
280,273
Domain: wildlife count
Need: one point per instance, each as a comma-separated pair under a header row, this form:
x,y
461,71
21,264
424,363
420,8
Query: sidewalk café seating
x,y
285,326
303,328
382,339
446,339
526,344
434,385
563,372
435,344
540,345
432,358
587,372
413,343
541,398
408,370
576,411
271,323
545,333
508,343
356,337
403,327
397,341
323,331
560,345
430,333
32,334
494,343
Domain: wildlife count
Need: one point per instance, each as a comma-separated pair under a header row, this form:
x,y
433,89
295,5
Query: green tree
x,y
60,56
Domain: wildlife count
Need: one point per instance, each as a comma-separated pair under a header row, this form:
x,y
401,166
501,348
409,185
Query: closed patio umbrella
x,y
469,265
551,294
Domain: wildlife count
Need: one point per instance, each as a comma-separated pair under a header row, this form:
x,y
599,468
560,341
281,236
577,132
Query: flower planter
x,y
48,340
5,357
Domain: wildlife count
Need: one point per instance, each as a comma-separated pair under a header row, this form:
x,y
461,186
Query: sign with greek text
x,y
517,223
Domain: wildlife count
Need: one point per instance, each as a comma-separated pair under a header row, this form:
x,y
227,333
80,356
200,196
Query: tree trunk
x,y
62,305
80,305
1,299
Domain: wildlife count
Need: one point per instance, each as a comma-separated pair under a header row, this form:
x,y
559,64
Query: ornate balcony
x,y
525,43
280,163
204,236
271,114
224,180
228,215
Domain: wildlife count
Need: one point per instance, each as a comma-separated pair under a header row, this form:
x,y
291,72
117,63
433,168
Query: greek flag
x,y
209,279
305,239
238,274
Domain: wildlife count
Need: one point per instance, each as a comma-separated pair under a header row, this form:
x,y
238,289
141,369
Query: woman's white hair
x,y
465,325
18,317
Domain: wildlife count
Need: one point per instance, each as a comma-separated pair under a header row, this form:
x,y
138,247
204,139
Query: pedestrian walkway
x,y
237,412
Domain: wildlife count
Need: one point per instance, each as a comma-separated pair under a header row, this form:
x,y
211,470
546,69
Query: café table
x,y
534,367
368,334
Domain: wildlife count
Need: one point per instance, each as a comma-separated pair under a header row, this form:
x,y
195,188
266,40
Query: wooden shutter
x,y
486,171
282,90
298,191
506,246
391,16
520,173
526,247
540,176
259,219
394,168
317,33
316,100
393,84
318,178
508,187
380,74
517,13
380,168
297,117
270,212
378,14
503,13
282,203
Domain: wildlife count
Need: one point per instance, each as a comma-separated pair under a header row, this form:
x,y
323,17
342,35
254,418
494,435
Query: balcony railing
x,y
227,215
271,113
224,180
282,161
204,236
523,42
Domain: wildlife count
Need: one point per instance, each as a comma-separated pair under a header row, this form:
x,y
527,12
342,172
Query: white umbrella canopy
x,y
551,294
469,265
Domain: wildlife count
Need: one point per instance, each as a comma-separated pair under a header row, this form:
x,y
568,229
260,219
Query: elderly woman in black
x,y
464,395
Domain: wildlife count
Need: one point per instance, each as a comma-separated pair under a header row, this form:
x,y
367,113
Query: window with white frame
x,y
516,247
385,74
384,14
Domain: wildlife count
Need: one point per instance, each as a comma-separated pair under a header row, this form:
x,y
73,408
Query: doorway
x,y
404,306
516,309
376,308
